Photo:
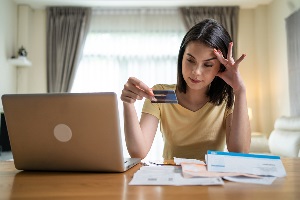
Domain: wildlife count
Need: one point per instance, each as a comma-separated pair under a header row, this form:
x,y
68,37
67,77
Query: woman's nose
x,y
197,70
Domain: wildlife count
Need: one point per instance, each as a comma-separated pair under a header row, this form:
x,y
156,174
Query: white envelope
x,y
257,164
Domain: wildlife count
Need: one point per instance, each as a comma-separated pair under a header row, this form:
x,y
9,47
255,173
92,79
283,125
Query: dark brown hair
x,y
210,33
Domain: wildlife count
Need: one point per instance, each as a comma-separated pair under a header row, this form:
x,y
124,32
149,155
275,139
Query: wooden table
x,y
16,184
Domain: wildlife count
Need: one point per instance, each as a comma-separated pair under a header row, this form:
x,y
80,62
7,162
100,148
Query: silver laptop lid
x,y
64,131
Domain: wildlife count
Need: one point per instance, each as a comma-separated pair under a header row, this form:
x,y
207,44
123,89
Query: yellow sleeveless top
x,y
189,134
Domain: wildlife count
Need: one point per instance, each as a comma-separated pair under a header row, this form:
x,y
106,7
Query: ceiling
x,y
41,4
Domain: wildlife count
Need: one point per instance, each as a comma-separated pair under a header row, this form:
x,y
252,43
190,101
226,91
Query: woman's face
x,y
199,65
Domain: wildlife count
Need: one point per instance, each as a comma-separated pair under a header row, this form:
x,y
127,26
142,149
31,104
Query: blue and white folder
x,y
257,164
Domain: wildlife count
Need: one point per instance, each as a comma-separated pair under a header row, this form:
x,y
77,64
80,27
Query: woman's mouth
x,y
195,80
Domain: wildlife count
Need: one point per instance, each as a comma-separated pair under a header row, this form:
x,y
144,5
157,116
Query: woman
x,y
212,104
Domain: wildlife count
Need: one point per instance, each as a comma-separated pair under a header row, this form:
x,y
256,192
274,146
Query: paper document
x,y
179,161
256,164
190,170
169,175
242,179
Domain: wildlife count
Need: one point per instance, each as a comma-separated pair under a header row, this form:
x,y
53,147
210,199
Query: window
x,y
143,43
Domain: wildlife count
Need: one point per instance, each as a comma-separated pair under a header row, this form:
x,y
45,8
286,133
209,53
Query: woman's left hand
x,y
231,75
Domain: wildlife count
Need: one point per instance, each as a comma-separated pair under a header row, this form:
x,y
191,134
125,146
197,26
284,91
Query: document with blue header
x,y
257,164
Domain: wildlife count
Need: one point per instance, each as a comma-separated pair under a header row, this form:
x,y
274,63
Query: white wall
x,y
32,35
8,34
278,11
262,36
253,41
38,72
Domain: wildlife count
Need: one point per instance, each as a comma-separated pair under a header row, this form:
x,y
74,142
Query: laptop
x,y
65,132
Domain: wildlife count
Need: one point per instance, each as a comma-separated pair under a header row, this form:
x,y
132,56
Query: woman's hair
x,y
210,33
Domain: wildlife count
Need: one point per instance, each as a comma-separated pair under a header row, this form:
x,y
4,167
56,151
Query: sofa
x,y
284,140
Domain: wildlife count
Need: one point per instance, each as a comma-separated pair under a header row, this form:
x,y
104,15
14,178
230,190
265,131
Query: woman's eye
x,y
208,65
190,60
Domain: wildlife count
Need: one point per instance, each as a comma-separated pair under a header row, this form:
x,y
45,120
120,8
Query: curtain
x,y
227,16
293,43
121,43
67,28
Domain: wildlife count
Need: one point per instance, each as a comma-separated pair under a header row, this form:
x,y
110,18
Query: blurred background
x,y
142,39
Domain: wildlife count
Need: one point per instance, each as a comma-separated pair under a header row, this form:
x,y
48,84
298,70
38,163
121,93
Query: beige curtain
x,y
227,16
67,28
293,42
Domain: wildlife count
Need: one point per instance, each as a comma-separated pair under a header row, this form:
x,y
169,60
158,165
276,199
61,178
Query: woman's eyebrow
x,y
211,59
191,55
204,60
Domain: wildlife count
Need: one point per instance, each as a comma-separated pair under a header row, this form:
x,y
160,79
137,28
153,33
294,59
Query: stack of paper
x,y
169,175
237,167
257,164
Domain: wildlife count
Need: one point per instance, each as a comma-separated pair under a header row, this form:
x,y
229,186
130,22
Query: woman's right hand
x,y
134,89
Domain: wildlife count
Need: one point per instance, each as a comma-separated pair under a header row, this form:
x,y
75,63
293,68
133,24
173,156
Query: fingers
x,y
134,90
240,59
129,97
142,86
220,57
229,55
229,61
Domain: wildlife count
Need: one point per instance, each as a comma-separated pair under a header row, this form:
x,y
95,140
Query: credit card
x,y
165,96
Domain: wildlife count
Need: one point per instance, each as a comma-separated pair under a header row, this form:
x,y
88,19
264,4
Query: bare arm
x,y
238,132
138,135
